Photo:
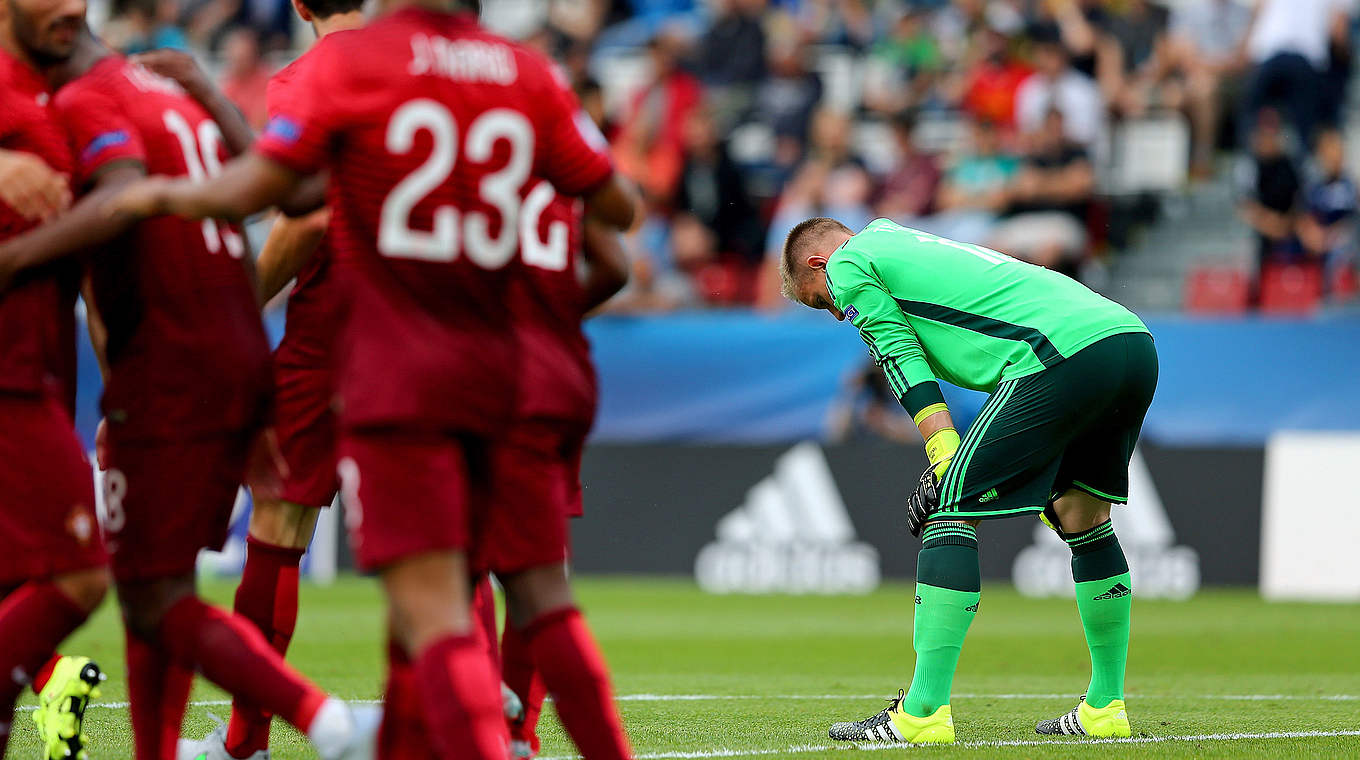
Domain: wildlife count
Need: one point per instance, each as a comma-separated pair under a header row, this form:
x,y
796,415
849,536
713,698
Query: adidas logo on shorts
x,y
972,607
1116,591
989,496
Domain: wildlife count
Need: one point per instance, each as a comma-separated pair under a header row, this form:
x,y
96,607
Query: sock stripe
x,y
948,534
1103,530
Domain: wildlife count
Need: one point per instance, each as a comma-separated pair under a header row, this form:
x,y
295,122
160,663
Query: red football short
x,y
48,524
407,492
167,500
305,423
533,486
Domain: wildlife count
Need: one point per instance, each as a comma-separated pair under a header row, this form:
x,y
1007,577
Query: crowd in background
x,y
987,121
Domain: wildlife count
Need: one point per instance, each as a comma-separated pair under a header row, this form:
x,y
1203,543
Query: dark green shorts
x,y
1073,425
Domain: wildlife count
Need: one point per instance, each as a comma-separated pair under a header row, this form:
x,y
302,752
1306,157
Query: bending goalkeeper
x,y
1071,375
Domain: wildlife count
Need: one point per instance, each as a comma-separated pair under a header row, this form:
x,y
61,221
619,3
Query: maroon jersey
x,y
549,304
313,305
37,313
433,130
187,351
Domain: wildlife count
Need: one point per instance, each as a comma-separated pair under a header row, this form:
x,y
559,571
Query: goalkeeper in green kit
x,y
1071,375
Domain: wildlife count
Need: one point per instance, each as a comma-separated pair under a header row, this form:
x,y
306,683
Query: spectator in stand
x,y
1138,78
649,147
975,190
990,83
645,20
667,265
211,21
908,191
848,23
1327,227
142,25
1270,189
1049,201
713,192
1056,85
591,95
1291,46
903,68
245,77
785,102
832,182
1206,48
732,51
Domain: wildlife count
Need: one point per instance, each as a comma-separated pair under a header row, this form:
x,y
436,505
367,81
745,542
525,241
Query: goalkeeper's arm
x,y
925,404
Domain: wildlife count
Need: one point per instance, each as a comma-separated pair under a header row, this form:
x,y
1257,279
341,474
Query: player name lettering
x,y
146,81
462,60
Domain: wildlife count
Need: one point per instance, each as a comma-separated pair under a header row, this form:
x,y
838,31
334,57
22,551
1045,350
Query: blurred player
x,y
543,463
433,132
53,570
186,393
1071,375
281,528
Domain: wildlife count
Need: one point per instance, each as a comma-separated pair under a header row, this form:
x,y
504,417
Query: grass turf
x,y
764,676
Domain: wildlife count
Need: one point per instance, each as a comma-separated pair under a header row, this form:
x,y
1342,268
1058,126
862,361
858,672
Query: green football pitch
x,y
698,676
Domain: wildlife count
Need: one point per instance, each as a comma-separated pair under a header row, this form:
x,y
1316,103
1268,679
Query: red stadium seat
x,y
1291,289
1217,290
1345,284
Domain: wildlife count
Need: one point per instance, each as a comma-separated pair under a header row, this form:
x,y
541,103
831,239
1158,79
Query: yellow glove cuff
x,y
940,448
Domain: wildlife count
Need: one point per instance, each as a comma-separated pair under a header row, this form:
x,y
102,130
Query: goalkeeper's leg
x,y
1104,591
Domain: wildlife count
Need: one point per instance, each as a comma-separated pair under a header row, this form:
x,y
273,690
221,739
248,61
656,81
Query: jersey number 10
x,y
202,162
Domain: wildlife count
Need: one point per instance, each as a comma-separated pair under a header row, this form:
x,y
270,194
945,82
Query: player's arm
x,y
290,244
85,225
181,67
613,204
607,264
31,187
247,184
897,351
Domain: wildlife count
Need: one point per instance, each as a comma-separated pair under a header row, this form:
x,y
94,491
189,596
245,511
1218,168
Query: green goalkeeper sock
x,y
948,582
1105,601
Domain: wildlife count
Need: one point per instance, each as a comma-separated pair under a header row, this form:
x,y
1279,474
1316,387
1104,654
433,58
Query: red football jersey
x,y
37,313
187,351
314,304
549,304
433,130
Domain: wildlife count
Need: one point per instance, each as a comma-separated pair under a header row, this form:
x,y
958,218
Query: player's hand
x,y
31,187
143,198
266,468
101,445
923,502
177,65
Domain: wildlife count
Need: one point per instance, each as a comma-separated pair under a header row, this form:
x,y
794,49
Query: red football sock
x,y
158,690
518,672
267,597
484,607
575,674
45,673
402,735
34,620
462,704
232,654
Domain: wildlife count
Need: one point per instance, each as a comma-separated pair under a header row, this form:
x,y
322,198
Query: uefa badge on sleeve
x,y
851,312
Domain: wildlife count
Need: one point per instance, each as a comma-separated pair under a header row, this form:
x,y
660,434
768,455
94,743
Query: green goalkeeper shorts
x,y
1073,425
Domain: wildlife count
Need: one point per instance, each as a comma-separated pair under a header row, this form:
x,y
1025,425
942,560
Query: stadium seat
x,y
1216,290
1345,284
1291,289
1150,154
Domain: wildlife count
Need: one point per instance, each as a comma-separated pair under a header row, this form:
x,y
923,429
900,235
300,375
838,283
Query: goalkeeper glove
x,y
940,449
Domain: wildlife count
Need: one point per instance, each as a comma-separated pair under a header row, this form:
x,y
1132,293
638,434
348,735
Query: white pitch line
x,y
817,697
807,748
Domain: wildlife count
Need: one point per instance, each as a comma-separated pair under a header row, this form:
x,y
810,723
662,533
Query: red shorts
x,y
534,485
48,524
166,500
408,492
305,422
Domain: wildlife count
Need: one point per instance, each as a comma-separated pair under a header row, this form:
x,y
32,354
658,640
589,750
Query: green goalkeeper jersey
x,y
934,308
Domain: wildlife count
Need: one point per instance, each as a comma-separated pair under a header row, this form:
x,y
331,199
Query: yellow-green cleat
x,y
61,708
892,724
1110,721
